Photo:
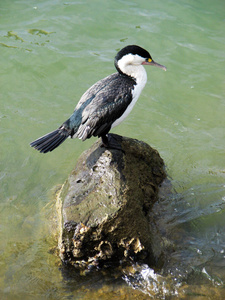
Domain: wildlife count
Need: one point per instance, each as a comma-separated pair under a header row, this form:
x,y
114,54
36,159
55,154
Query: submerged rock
x,y
103,206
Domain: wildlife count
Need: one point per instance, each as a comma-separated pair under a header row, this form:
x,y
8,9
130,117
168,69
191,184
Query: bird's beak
x,y
153,63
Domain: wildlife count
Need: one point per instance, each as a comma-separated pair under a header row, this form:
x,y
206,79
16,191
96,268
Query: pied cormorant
x,y
105,104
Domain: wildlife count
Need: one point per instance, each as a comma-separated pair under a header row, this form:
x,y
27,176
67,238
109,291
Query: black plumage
x,y
93,117
107,105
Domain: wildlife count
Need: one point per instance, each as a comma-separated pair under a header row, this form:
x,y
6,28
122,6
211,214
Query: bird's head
x,y
132,56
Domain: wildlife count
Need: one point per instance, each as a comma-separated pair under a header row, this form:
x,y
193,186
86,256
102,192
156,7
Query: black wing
x,y
109,101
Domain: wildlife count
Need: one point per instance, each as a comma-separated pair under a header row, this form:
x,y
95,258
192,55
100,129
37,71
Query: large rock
x,y
103,206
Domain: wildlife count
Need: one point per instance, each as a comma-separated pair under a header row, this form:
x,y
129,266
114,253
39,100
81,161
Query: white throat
x,y
137,71
132,65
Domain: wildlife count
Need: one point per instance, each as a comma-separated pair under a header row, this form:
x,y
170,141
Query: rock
x,y
103,206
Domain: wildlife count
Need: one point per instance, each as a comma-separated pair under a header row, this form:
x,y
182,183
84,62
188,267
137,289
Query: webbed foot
x,y
109,141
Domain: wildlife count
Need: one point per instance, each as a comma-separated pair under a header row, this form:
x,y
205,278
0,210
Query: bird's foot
x,y
110,142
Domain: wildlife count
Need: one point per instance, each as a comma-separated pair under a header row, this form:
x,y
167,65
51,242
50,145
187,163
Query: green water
x,y
51,52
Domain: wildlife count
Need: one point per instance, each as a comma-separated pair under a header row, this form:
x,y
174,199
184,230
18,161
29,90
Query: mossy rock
x,y
103,206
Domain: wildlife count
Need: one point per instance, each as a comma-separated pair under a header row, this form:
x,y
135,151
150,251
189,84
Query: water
x,y
51,52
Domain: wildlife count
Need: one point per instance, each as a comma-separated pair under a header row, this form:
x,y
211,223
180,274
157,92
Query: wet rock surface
x,y
103,205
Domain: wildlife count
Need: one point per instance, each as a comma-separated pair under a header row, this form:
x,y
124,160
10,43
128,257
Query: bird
x,y
106,103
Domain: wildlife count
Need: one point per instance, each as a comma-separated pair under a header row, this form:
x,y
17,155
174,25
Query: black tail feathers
x,y
51,140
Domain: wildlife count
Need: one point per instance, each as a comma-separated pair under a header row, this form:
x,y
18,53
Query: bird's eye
x,y
148,59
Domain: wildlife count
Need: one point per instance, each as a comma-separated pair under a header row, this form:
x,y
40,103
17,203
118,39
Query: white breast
x,y
141,79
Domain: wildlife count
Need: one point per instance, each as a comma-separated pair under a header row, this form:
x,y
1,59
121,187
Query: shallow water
x,y
51,52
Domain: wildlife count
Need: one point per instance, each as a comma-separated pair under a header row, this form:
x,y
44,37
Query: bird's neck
x,y
137,72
